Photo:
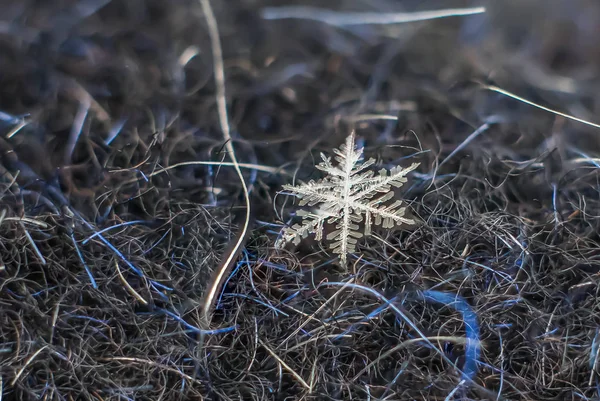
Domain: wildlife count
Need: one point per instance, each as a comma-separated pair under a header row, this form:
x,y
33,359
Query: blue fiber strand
x,y
85,266
471,327
370,316
237,267
194,328
594,350
97,233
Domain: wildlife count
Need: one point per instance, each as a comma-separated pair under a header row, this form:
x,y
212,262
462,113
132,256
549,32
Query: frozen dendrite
x,y
347,196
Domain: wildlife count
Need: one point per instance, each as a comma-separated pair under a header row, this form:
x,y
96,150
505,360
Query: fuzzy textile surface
x,y
119,203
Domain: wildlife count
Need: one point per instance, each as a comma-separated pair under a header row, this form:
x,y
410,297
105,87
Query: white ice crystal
x,y
347,196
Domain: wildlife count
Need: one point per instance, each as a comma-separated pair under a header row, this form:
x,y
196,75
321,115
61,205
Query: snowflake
x,y
347,196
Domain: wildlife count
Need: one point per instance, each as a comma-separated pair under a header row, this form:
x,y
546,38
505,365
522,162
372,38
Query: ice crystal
x,y
348,195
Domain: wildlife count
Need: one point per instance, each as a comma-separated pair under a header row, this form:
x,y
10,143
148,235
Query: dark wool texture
x,y
112,230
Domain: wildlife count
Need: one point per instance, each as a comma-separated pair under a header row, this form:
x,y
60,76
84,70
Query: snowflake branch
x,y
344,196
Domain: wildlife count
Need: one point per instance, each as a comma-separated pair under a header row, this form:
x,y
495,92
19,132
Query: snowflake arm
x,y
382,182
312,223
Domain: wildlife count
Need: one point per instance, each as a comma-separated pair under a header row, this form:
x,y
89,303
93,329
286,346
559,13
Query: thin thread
x,y
219,73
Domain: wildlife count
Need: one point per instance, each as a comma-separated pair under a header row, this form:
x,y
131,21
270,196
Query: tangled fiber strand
x,y
117,202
